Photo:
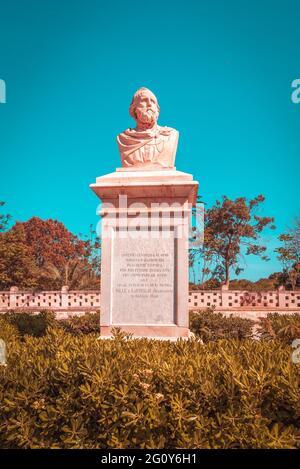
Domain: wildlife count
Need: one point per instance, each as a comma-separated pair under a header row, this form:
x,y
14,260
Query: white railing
x,y
89,300
63,300
236,299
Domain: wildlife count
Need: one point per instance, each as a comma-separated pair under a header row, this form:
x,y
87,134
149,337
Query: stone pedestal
x,y
144,270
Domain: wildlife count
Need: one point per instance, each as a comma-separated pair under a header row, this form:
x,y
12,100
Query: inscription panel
x,y
142,290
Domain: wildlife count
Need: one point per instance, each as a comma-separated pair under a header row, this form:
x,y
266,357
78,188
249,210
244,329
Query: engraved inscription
x,y
143,281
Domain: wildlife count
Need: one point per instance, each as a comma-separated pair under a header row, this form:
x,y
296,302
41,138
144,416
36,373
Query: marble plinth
x,y
144,264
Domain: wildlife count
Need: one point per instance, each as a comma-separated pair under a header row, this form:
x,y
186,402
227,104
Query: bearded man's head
x,y
144,107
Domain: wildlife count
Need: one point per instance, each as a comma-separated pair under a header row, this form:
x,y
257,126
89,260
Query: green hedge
x,y
29,323
7,331
209,325
285,327
66,391
85,324
36,324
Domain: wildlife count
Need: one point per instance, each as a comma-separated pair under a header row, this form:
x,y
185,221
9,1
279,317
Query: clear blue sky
x,y
222,71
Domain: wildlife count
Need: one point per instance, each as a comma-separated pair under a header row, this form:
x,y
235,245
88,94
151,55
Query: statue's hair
x,y
135,96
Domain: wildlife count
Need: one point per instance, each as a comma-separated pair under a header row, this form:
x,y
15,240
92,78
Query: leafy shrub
x,y
65,391
85,324
29,323
209,325
36,324
8,332
8,337
285,327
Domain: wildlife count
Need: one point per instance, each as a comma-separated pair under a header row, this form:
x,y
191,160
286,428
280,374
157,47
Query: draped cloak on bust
x,y
133,145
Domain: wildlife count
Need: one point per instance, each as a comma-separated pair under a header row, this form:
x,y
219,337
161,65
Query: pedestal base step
x,y
152,332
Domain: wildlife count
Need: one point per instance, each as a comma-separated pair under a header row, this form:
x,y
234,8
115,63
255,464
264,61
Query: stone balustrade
x,y
232,299
63,300
224,300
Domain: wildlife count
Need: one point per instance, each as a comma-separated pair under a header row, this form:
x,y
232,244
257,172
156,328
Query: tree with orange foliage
x,y
44,254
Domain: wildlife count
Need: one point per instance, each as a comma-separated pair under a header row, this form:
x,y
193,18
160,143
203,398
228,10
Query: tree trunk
x,y
227,279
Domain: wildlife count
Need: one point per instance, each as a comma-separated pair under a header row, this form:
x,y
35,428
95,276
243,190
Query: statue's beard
x,y
147,116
